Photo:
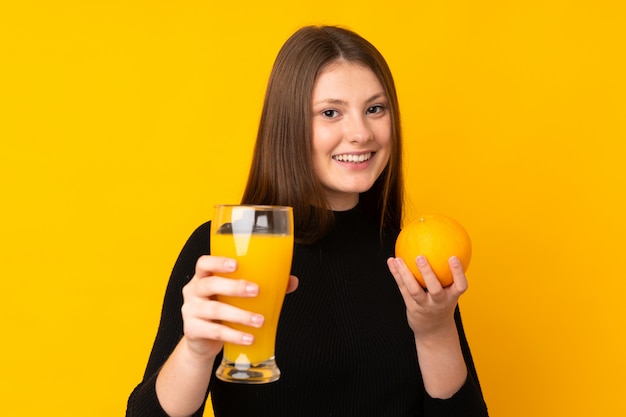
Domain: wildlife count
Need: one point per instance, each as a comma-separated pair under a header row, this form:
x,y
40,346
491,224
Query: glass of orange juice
x,y
260,238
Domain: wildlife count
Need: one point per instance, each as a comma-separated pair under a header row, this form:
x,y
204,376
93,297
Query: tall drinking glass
x,y
260,238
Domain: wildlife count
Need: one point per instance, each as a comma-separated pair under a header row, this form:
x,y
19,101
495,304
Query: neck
x,y
345,203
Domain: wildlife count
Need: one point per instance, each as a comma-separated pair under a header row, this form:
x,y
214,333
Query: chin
x,y
358,190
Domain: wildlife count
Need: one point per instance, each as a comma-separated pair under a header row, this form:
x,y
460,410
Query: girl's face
x,y
351,132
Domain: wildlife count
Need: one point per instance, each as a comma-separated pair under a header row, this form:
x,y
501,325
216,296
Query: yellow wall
x,y
122,122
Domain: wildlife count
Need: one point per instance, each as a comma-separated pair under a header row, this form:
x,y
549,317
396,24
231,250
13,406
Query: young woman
x,y
357,335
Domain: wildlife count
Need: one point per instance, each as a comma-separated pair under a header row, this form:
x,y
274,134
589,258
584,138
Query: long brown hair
x,y
282,168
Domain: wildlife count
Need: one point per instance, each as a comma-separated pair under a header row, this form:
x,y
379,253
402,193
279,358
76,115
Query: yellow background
x,y
122,122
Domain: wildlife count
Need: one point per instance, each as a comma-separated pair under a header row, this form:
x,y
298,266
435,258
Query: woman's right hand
x,y
183,379
204,316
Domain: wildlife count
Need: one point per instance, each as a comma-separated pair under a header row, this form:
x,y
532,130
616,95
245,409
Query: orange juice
x,y
266,260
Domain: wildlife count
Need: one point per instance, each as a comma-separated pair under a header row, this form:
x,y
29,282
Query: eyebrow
x,y
343,102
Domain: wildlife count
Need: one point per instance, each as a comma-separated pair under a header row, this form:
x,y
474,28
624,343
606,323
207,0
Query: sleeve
x,y
143,401
468,401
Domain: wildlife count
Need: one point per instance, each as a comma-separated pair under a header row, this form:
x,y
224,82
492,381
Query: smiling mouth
x,y
353,158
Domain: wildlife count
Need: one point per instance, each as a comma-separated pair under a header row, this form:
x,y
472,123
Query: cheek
x,y
323,143
384,162
385,142
383,132
385,151
318,156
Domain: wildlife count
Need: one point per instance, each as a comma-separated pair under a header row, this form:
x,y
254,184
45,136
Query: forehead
x,y
342,77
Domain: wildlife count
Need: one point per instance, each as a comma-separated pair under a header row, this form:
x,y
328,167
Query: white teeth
x,y
353,158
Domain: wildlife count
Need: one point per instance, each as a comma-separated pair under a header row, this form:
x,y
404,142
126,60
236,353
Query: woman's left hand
x,y
429,311
430,314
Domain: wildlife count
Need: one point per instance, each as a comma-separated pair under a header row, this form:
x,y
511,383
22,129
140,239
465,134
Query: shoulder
x,y
200,235
197,244
201,231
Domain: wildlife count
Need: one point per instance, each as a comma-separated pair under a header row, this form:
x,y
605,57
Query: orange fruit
x,y
436,237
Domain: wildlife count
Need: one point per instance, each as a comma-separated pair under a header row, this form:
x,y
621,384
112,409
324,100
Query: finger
x,y
394,265
409,287
213,310
460,284
293,284
207,265
208,330
216,285
432,282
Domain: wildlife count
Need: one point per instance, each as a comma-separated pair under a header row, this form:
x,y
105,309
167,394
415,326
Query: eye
x,y
375,109
330,114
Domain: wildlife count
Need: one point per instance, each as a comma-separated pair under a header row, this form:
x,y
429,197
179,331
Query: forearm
x,y
441,361
183,381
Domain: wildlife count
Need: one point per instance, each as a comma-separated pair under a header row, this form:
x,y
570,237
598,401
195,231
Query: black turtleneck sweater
x,y
343,346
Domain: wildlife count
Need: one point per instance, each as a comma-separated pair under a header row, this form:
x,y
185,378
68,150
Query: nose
x,y
357,130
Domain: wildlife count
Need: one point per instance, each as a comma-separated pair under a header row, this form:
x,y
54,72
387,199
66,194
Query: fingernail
x,y
252,289
247,339
230,264
257,319
421,260
454,261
